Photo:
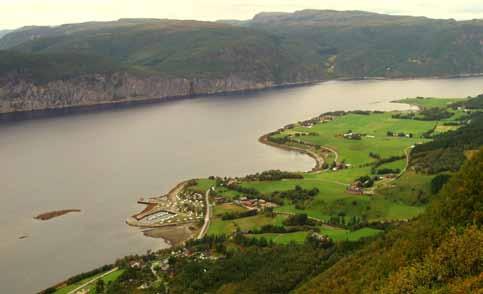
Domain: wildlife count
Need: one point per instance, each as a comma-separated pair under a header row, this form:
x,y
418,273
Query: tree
x,y
100,286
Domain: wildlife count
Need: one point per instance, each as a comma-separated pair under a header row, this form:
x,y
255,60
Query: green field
x,y
226,208
375,126
91,287
400,164
219,226
395,199
283,239
343,235
411,189
335,234
202,185
428,102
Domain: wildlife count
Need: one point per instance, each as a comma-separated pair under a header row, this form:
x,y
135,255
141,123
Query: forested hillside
x,y
315,44
357,43
440,251
171,48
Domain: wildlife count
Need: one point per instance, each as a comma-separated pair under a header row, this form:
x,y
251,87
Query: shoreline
x,y
153,208
126,102
319,161
264,139
131,102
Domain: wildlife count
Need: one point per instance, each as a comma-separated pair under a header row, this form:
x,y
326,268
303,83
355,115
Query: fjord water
x,y
102,162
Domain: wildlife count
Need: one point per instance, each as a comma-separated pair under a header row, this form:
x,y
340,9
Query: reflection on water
x,y
101,162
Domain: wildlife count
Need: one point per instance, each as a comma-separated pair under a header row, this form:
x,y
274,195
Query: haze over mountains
x,y
135,59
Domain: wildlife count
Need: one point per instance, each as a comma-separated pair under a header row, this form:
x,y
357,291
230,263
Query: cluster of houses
x,y
463,108
326,118
310,122
355,188
187,207
339,166
258,204
320,119
320,237
190,202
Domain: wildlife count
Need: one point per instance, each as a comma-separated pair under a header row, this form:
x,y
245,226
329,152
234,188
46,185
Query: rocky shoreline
x,y
19,96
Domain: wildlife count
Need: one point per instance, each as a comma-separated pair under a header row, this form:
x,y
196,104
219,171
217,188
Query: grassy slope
x,y
335,234
438,253
401,199
202,185
356,152
283,239
219,226
227,207
332,197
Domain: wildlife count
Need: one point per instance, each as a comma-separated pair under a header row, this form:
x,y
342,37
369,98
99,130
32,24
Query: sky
x,y
18,13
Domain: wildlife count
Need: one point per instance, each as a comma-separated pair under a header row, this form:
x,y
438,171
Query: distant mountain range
x,y
209,57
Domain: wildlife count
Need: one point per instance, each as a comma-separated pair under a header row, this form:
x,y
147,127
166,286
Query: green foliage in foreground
x,y
439,251
275,269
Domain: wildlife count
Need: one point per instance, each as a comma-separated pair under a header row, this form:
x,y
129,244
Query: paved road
x,y
208,214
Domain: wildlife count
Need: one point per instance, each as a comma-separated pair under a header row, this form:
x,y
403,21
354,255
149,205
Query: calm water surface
x,y
103,162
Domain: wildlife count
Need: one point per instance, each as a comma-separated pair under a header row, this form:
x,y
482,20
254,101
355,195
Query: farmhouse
x,y
339,165
352,136
220,200
355,188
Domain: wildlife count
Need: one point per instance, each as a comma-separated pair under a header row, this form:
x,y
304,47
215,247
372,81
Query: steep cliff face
x,y
17,94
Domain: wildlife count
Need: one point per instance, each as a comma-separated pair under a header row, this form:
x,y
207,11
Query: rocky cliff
x,y
18,95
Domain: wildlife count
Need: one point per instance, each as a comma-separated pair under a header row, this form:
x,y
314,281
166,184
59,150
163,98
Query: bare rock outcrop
x,y
19,94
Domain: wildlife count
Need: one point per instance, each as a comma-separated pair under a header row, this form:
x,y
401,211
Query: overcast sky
x,y
17,13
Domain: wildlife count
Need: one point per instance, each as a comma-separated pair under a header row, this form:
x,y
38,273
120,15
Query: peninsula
x,y
365,201
364,161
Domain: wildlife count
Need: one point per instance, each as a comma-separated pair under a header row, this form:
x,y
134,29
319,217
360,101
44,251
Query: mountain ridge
x,y
270,49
